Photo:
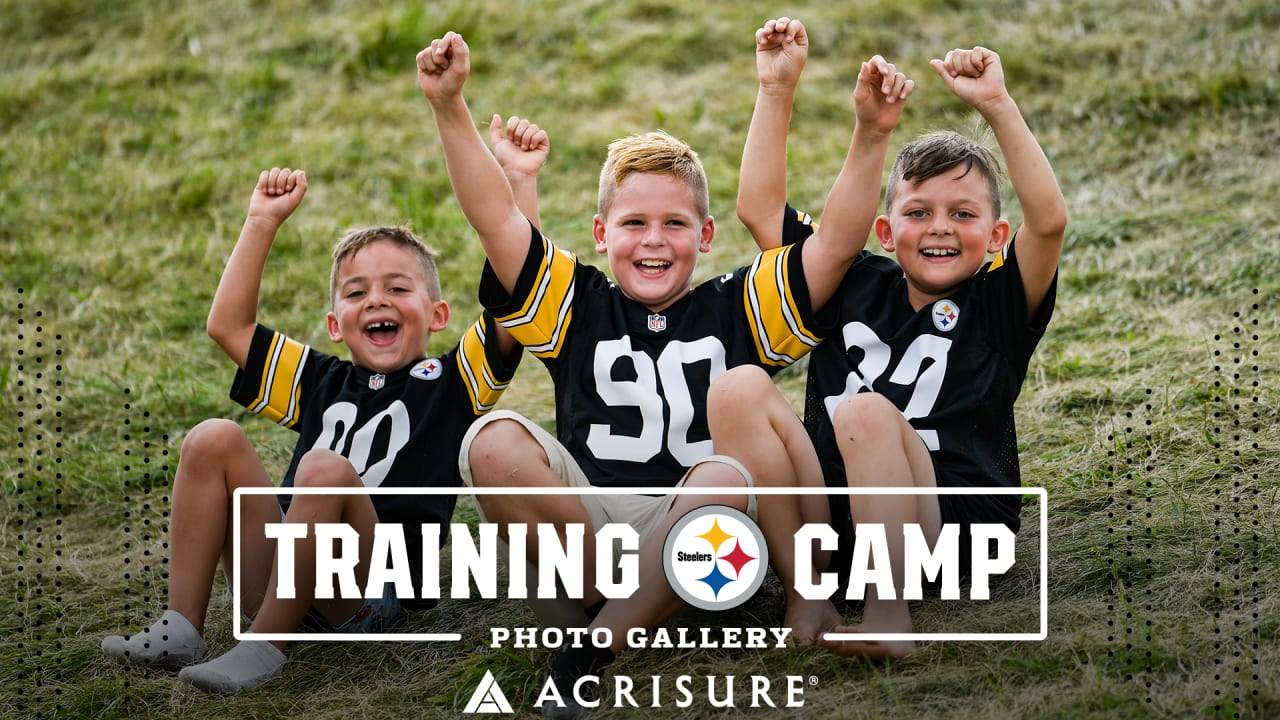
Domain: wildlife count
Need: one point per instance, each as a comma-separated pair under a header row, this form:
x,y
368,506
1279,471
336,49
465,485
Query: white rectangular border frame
x,y
1039,492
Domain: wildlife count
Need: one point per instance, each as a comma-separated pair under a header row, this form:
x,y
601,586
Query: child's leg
x,y
654,600
253,662
502,452
880,449
319,469
753,423
216,458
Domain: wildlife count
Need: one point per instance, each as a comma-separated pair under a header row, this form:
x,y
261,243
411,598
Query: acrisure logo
x,y
488,698
715,557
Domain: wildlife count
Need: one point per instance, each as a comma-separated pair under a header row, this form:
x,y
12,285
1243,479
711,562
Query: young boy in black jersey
x,y
915,385
390,417
631,360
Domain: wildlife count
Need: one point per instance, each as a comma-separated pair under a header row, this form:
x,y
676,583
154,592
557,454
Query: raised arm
x,y
977,77
234,313
782,46
478,181
521,148
850,212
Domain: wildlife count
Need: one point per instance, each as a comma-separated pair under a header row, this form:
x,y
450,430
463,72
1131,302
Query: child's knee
x,y
737,501
865,415
739,388
212,440
325,468
497,448
716,472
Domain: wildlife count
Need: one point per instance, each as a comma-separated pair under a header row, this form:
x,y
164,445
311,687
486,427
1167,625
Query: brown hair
x,y
654,152
934,153
356,240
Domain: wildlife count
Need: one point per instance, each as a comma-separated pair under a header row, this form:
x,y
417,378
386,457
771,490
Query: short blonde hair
x,y
653,152
356,240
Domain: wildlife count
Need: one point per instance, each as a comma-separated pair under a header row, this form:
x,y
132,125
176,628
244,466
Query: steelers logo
x,y
428,369
946,313
715,557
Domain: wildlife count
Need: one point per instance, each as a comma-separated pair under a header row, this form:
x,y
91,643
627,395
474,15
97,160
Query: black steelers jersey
x,y
954,368
796,226
630,384
399,429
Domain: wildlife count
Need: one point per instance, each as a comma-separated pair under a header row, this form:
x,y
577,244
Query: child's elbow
x,y
1058,223
216,329
750,216
1052,223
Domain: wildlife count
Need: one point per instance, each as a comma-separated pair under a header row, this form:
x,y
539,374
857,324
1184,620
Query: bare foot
x,y
809,619
871,649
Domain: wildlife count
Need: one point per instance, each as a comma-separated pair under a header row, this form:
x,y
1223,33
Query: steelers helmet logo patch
x,y
945,315
428,369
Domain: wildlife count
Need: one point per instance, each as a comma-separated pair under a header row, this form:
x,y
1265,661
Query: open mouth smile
x,y
382,333
939,252
652,267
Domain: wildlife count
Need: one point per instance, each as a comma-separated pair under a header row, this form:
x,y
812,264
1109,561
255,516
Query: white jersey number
x,y
340,418
643,394
875,360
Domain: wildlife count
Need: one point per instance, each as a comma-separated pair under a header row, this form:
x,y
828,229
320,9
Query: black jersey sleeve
x,y
274,380
1014,331
780,315
538,310
484,371
796,226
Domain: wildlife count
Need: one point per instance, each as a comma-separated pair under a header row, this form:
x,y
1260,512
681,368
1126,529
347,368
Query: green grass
x,y
133,133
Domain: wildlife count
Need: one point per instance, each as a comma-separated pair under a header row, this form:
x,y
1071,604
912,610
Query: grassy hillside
x,y
132,136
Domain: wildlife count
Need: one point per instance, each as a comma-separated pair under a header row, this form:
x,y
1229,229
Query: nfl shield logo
x,y
377,381
657,323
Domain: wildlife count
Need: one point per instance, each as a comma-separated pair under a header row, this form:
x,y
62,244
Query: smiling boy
x,y
389,417
915,386
631,359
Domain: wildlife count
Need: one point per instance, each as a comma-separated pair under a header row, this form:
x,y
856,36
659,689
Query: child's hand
x,y
782,46
278,193
522,148
880,95
975,76
443,67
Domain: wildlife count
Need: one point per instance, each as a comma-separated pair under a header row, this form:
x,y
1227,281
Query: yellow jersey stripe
x,y
280,391
257,404
998,260
477,376
540,323
795,324
776,326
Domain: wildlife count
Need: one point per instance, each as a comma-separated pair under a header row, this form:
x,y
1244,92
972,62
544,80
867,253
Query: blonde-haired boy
x,y
631,358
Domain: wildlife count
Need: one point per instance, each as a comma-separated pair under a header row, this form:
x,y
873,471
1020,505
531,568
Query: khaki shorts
x,y
644,513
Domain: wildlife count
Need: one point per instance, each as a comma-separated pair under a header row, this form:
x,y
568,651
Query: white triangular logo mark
x,y
488,698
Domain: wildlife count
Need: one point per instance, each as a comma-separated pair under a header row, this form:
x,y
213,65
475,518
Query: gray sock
x,y
244,666
170,642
